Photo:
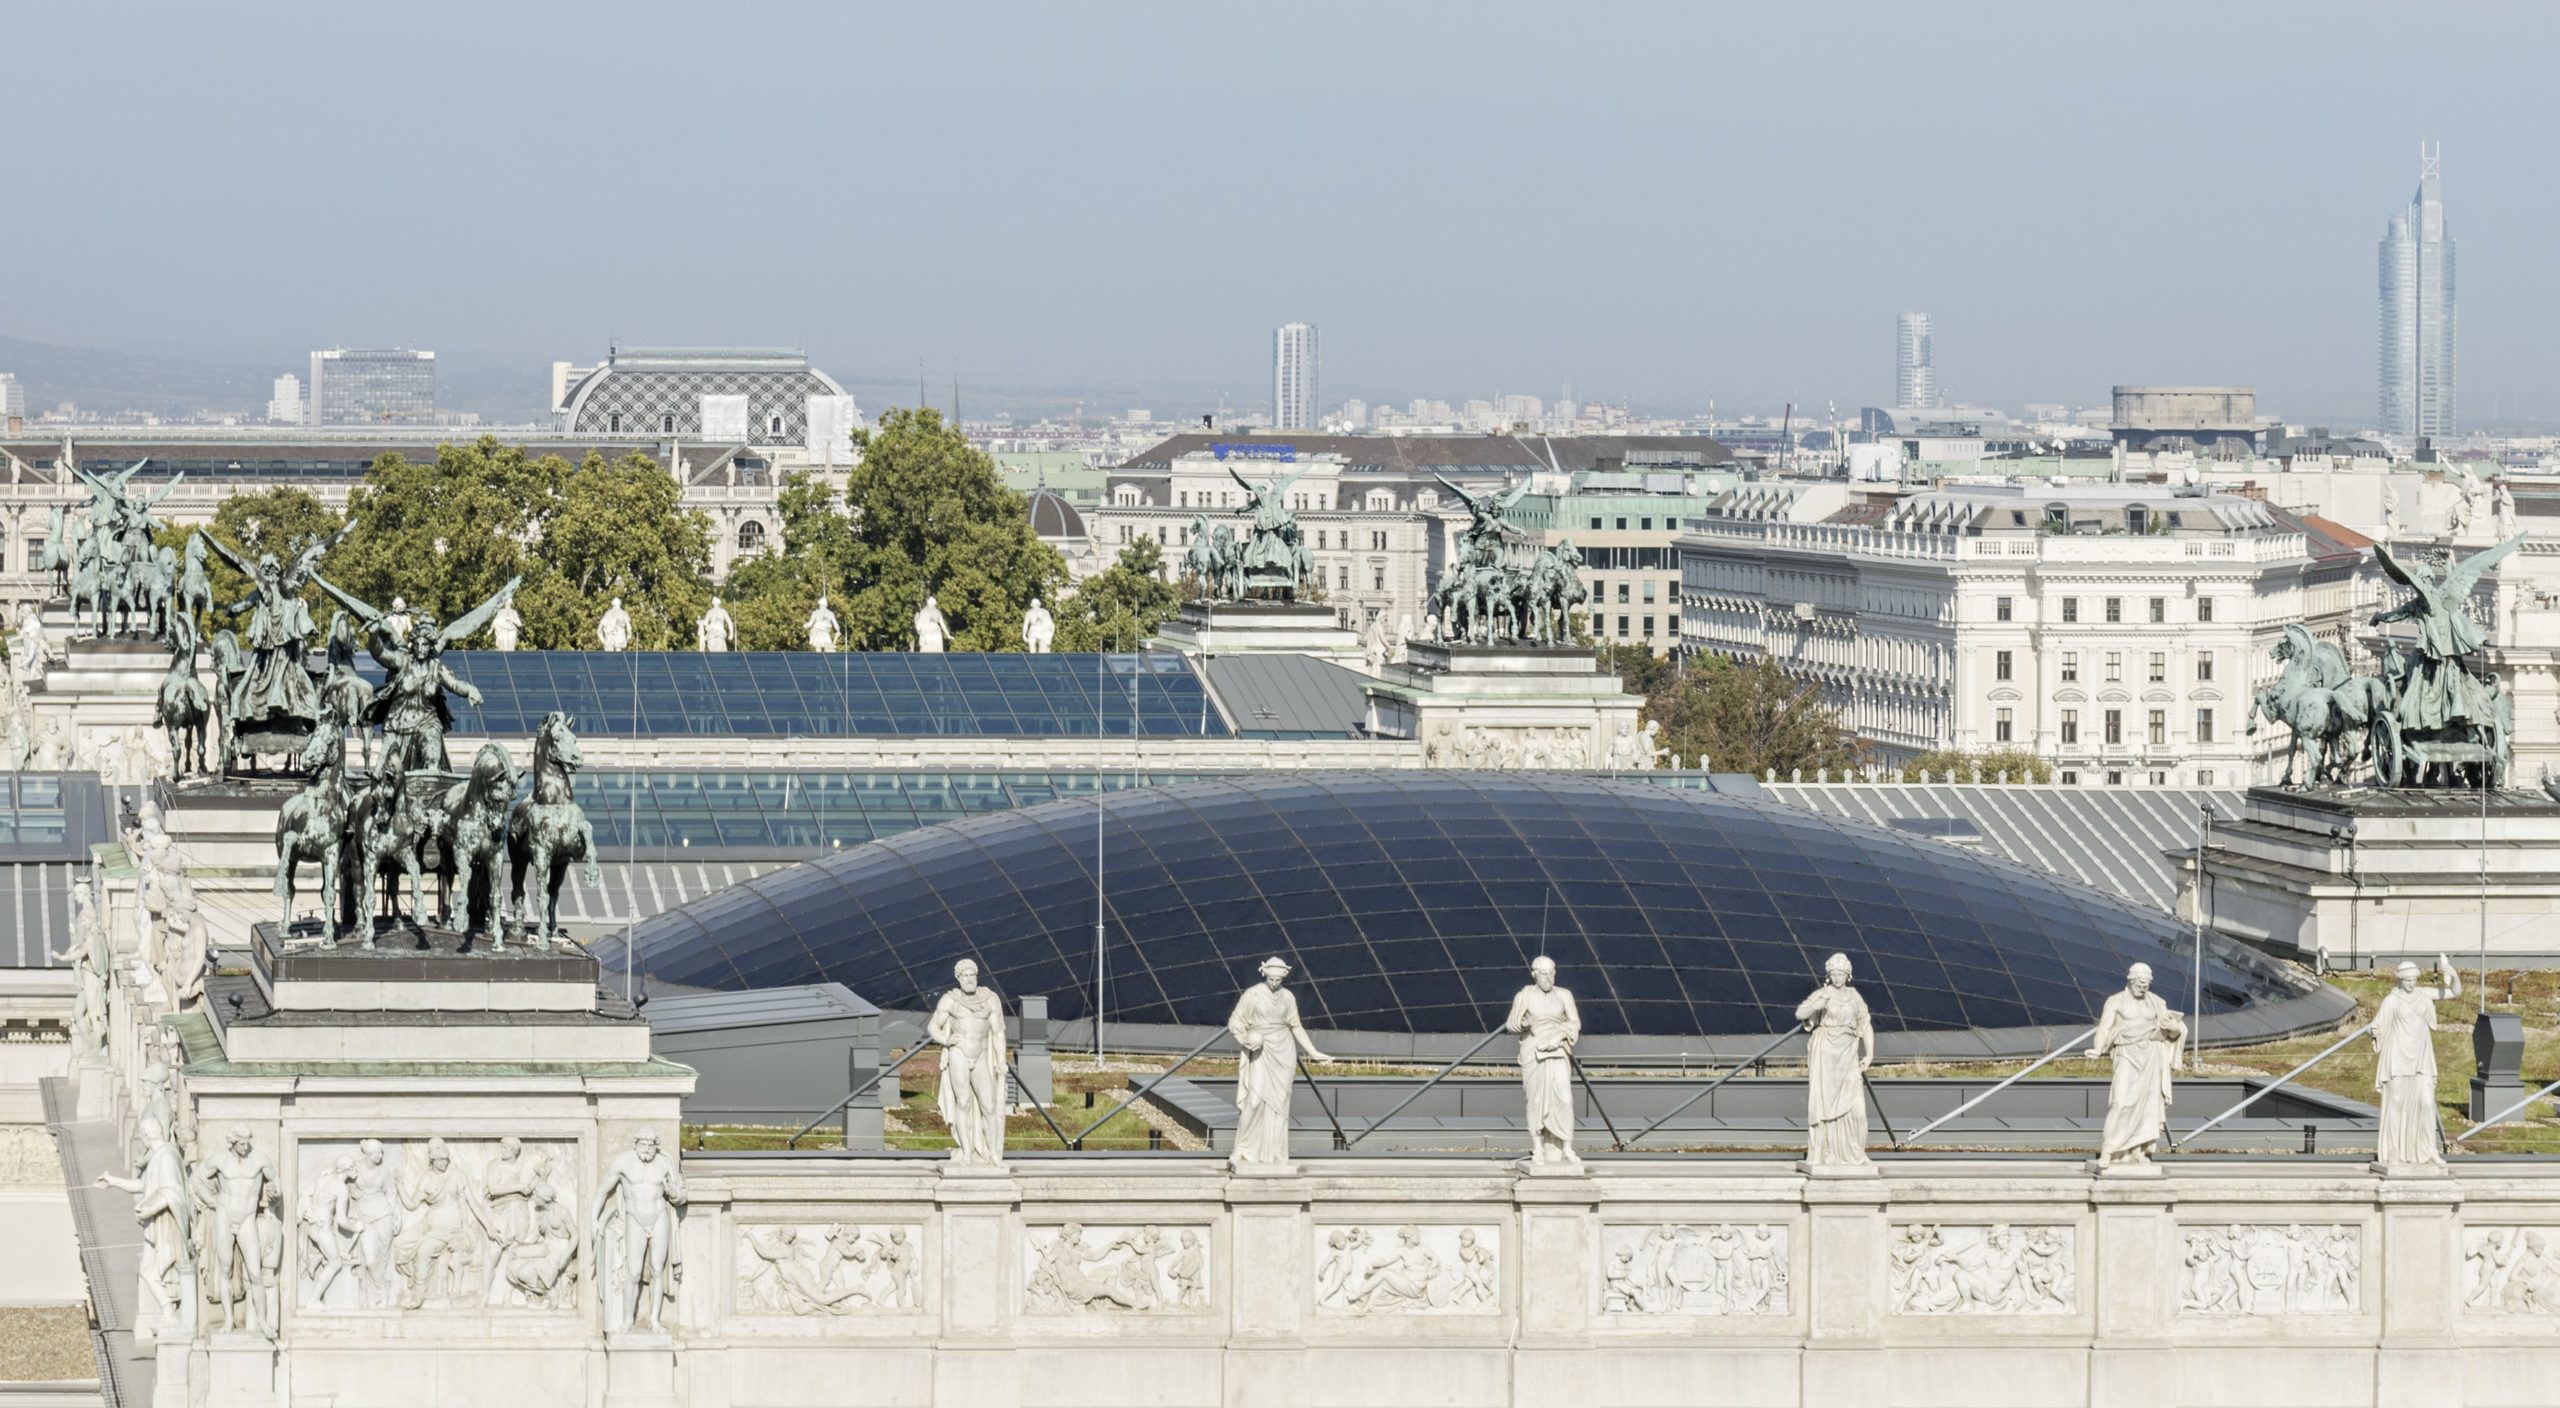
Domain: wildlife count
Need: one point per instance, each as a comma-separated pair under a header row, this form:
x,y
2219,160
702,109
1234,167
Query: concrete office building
x,y
2418,324
372,386
2115,630
1293,377
284,406
1915,377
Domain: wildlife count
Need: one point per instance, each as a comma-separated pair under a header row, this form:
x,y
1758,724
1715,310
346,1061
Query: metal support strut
x,y
2266,1090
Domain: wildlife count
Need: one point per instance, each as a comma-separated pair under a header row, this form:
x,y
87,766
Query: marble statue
x,y
186,945
1265,1024
613,629
549,831
822,627
1993,1269
1548,1025
2404,1071
165,1207
2459,517
507,626
968,1024
91,960
1039,628
1373,644
2391,525
1840,1043
2140,1035
410,705
932,632
2502,509
638,1210
235,1184
1403,638
715,632
27,647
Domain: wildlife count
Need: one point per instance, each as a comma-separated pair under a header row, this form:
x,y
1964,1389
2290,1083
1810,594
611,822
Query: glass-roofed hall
x,y
1410,904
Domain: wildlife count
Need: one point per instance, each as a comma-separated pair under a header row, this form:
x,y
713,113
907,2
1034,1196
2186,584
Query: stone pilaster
x,y
2422,1253
1845,1227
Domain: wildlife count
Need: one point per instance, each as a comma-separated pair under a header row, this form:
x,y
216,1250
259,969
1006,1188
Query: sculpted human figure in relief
x,y
2140,1035
1265,1024
1840,1044
968,1024
236,1183
1548,1025
635,1232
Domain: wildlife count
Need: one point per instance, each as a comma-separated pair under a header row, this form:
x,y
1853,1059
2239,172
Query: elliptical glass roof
x,y
802,694
1412,903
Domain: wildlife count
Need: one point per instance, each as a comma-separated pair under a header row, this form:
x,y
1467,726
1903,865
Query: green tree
x,y
923,513
1751,718
1122,605
1956,764
1642,671
446,533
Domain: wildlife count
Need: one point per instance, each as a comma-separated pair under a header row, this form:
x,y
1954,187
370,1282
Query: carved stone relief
x,y
1408,1269
2511,1271
2261,1269
1721,1268
1997,1269
27,1157
436,1224
829,1268
1077,1269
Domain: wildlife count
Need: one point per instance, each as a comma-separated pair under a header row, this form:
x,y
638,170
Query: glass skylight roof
x,y
802,694
1411,902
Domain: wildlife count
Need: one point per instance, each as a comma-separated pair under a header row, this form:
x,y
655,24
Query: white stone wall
x,y
1107,1281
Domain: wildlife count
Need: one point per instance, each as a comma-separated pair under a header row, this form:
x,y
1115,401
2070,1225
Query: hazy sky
x,y
1661,203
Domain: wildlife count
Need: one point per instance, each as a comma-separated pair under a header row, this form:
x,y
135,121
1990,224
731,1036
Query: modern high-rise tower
x,y
2418,313
1293,377
1915,380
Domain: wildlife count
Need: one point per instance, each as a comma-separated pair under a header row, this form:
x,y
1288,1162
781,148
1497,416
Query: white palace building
x,y
2119,631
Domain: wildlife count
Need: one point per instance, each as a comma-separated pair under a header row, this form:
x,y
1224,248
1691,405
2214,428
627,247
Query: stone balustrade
x,y
1107,1280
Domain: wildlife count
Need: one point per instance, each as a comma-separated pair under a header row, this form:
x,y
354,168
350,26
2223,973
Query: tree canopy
x,y
1750,719
1120,606
924,513
445,534
1994,765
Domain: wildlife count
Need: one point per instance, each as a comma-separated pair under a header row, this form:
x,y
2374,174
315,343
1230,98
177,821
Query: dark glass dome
x,y
1411,902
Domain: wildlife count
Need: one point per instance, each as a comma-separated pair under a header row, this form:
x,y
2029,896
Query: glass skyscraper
x,y
2417,345
1915,376
1293,377
372,386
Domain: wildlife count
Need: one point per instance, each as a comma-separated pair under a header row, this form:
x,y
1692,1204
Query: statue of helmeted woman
x,y
410,706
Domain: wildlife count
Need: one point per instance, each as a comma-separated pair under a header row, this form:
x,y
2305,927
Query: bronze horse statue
x,y
550,829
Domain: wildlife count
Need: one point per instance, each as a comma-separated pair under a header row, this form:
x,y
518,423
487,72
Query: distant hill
x,y
109,381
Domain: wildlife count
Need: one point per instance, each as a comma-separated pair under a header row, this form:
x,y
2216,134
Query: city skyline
x,y
1747,272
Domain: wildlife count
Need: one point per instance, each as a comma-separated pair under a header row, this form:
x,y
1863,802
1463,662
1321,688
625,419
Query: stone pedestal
x,y
2373,877
1503,706
640,1370
1261,627
104,686
239,1370
2497,1056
